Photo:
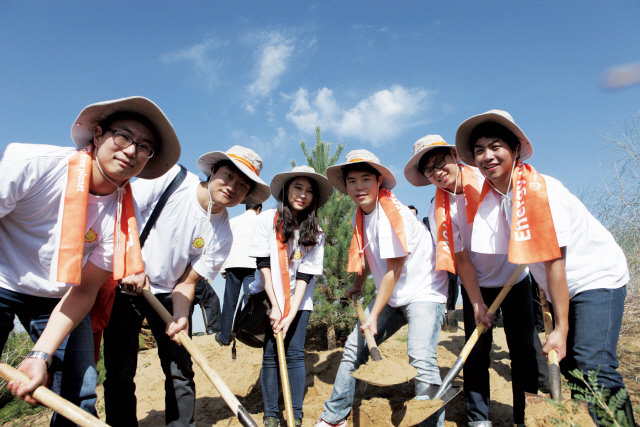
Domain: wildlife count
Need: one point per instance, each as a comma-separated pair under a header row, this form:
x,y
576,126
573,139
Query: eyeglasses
x,y
438,164
124,140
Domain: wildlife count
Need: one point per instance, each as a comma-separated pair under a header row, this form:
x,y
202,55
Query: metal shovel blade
x,y
430,393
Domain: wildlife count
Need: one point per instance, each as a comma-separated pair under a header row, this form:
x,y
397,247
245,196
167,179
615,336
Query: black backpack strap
x,y
161,202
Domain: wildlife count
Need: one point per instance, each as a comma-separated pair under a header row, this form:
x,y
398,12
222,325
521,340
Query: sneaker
x,y
297,422
219,341
271,422
323,423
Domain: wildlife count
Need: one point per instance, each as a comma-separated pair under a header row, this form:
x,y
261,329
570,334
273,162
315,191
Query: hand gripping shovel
x,y
284,377
51,400
233,403
375,353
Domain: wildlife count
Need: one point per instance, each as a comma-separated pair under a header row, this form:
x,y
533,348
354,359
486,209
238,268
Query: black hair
x,y
105,125
228,163
493,130
254,207
422,163
414,208
307,222
359,167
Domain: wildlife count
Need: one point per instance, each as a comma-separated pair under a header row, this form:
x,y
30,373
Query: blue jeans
x,y
236,278
73,371
424,319
270,374
517,309
595,318
121,361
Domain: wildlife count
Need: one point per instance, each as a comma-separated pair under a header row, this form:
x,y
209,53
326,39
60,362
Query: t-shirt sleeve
x,y
208,264
312,262
560,202
432,222
261,235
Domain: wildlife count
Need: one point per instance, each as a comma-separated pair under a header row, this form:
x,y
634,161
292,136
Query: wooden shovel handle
x,y
371,341
552,357
51,400
284,377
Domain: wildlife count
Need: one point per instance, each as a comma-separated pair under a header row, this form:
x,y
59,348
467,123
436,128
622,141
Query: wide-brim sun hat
x,y
334,173
420,148
166,151
324,186
248,162
463,135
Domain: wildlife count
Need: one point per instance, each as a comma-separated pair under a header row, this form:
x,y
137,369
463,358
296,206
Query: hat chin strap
x,y
506,201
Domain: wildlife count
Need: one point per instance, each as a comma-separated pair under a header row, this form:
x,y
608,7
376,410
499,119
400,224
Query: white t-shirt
x,y
494,270
242,228
181,233
593,260
419,280
311,261
32,181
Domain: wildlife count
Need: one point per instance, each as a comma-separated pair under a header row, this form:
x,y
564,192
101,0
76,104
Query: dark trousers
x,y
517,309
270,374
121,360
207,298
235,279
453,292
73,370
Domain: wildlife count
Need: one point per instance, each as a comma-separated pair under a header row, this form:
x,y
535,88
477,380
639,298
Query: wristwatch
x,y
40,355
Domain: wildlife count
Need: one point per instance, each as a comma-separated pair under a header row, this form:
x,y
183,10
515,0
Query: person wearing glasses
x,y
482,275
67,223
190,240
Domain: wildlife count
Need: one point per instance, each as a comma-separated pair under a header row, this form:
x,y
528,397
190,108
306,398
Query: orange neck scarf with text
x,y
127,258
532,236
445,260
391,208
283,257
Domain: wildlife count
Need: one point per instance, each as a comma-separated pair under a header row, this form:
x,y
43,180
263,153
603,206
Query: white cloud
x,y
205,66
376,119
272,60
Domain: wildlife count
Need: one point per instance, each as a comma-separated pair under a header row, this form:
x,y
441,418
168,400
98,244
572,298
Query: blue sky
x,y
375,75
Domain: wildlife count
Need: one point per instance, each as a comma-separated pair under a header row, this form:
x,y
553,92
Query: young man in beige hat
x,y
59,208
482,275
190,240
535,220
390,243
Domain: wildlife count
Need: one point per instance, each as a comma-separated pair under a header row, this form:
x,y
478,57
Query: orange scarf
x,y
74,220
445,260
283,257
391,207
533,236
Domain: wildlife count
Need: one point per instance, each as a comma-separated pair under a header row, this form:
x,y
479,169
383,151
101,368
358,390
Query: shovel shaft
x,y
371,341
201,360
51,400
552,356
284,376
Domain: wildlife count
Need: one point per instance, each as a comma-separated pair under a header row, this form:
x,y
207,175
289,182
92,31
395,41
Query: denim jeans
x,y
595,318
121,360
517,309
424,319
73,371
270,374
236,278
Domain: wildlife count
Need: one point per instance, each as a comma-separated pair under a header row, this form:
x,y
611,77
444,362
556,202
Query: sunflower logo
x,y
297,255
198,243
91,236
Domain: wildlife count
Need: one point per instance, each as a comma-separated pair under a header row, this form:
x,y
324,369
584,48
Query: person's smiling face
x,y
441,170
228,187
362,187
300,194
495,160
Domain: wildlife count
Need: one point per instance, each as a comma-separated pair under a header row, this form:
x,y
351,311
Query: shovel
x,y
284,377
51,400
230,399
371,343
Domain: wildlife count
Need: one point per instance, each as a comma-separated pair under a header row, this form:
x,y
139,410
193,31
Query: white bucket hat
x,y
334,173
465,150
420,148
324,186
249,164
166,151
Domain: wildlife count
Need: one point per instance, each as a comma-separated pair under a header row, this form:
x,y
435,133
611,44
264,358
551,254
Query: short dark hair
x,y
105,124
254,207
493,130
422,163
414,208
359,167
228,163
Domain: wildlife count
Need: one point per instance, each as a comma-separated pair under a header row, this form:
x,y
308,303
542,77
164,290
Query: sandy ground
x,y
373,406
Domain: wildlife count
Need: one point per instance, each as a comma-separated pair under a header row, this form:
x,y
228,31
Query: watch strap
x,y
40,355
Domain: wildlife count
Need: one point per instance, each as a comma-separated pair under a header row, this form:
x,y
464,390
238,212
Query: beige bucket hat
x,y
324,186
465,150
249,164
334,173
167,150
420,148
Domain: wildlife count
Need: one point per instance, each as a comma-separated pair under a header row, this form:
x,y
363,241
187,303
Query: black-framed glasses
x,y
123,140
438,164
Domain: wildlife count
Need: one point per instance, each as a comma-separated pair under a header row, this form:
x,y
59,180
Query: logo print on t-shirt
x,y
297,254
198,243
91,236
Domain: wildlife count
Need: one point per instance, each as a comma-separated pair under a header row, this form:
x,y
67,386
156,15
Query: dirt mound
x,y
546,414
387,371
